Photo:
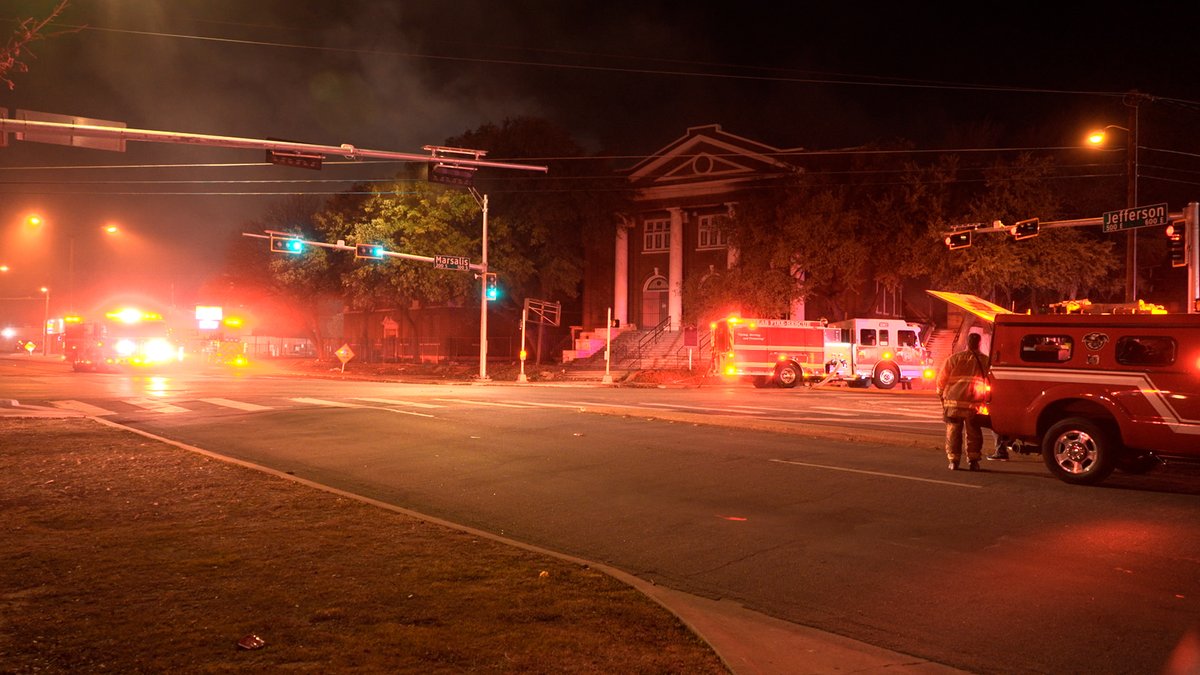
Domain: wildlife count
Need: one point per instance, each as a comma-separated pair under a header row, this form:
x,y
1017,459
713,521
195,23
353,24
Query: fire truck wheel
x,y
1079,451
787,376
885,377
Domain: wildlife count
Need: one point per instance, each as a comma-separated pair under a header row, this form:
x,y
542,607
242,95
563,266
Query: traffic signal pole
x,y
483,299
1191,217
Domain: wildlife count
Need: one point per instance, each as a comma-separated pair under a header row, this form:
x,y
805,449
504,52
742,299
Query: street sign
x,y
299,160
451,262
447,174
344,354
1138,216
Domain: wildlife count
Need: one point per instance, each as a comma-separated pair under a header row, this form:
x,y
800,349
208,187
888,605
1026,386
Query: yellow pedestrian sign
x,y
344,354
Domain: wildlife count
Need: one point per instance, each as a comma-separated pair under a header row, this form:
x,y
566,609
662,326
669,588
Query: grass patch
x,y
123,554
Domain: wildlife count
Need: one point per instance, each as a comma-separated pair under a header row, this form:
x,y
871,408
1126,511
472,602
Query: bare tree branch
x,y
14,52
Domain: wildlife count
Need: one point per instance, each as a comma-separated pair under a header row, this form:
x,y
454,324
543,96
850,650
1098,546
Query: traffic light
x,y
960,239
493,289
1024,229
1177,243
286,244
368,251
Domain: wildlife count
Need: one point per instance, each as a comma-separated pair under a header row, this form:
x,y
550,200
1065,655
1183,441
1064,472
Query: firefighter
x,y
962,385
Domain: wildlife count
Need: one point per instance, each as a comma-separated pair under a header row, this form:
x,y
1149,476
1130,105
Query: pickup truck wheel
x,y
1079,451
886,377
787,376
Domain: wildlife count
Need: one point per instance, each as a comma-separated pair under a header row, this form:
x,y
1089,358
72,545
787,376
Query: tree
x,y
551,218
299,285
798,241
1065,262
415,217
15,49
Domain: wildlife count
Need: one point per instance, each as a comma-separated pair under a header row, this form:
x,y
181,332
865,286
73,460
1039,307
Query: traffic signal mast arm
x,y
1044,225
270,234
151,136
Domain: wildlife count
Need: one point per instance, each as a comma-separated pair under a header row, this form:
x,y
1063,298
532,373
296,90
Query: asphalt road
x,y
1007,570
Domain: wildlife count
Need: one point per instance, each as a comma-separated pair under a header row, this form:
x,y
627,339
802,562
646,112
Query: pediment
x,y
706,154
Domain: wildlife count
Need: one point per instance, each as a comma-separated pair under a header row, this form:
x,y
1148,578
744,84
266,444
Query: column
x,y
620,302
675,273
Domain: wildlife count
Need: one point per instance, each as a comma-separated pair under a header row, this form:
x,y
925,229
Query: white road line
x,y
496,404
80,406
568,406
673,406
155,405
881,411
239,405
392,401
331,404
876,473
765,409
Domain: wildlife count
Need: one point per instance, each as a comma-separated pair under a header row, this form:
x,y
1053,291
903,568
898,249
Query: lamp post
x,y
1099,137
46,322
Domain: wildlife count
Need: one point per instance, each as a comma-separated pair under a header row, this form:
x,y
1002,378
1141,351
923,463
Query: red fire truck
x,y
882,352
782,352
769,351
123,338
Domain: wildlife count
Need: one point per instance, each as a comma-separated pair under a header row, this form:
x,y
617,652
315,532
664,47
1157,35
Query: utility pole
x,y
483,299
1131,195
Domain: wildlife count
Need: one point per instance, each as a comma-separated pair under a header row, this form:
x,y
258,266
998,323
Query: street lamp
x,y
1098,138
46,322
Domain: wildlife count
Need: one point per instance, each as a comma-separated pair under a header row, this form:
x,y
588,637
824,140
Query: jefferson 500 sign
x,y
1138,216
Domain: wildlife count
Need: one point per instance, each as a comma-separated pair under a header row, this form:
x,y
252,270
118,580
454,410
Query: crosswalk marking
x,y
239,405
155,405
321,401
496,404
392,401
80,406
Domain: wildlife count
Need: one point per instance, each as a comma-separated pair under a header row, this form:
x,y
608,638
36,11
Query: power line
x,y
840,80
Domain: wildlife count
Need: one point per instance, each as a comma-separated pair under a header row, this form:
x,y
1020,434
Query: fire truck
x,y
882,352
122,339
769,351
783,353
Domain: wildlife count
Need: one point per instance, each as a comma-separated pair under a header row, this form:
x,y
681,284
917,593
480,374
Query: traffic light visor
x,y
957,240
287,245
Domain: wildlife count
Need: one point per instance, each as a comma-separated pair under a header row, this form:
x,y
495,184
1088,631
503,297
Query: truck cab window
x,y
867,337
1046,348
1145,350
906,338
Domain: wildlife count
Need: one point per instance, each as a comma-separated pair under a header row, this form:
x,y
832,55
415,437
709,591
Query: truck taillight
x,y
928,374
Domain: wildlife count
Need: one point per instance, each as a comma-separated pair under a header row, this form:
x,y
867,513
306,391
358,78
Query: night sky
x,y
625,78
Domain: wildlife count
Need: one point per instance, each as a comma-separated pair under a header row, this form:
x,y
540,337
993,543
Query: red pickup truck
x,y
1097,392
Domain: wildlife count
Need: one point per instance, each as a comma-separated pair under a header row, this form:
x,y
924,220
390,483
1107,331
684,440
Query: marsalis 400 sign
x,y
1138,216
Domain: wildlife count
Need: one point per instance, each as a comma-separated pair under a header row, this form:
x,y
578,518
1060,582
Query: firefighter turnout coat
x,y
962,382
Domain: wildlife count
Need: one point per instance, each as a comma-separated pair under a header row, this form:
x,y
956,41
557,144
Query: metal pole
x,y
524,320
483,299
71,275
46,323
1131,199
1191,234
608,351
